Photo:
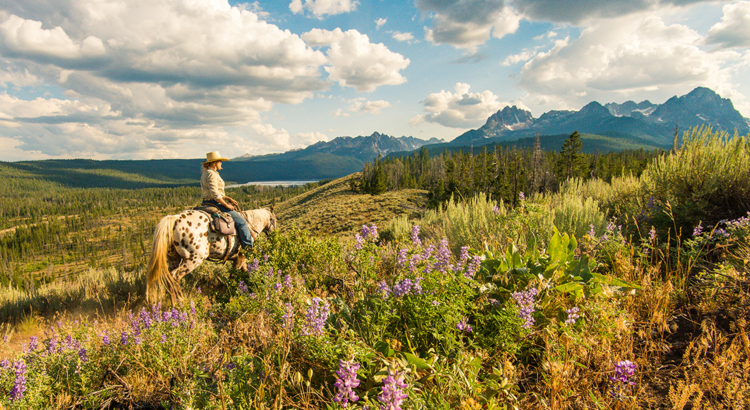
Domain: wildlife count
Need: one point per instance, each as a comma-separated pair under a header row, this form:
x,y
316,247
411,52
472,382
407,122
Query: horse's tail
x,y
158,269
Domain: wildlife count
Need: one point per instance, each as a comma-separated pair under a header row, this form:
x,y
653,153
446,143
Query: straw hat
x,y
213,157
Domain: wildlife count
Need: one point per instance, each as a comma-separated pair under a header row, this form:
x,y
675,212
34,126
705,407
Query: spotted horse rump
x,y
182,242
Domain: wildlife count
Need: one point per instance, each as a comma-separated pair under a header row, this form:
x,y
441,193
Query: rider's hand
x,y
230,207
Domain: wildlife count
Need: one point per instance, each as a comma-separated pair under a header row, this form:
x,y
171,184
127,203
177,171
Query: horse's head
x,y
271,221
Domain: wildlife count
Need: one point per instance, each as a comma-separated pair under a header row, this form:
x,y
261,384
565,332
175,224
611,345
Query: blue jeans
x,y
243,230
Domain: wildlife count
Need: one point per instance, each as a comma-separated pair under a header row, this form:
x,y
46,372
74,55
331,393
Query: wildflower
x,y
83,354
624,370
403,288
242,287
473,267
392,394
192,307
464,326
401,260
374,231
359,240
572,315
496,210
346,382
521,196
721,232
652,235
33,344
698,230
287,319
288,281
365,232
443,256
124,338
19,385
198,289
265,258
383,289
105,339
416,287
254,265
435,303
415,236
316,317
592,232
277,287
163,338
525,301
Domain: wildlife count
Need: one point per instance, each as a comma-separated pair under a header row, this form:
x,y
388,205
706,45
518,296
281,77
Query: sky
x,y
151,79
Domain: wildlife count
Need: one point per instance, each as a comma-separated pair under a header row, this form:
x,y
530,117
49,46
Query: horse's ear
x,y
271,207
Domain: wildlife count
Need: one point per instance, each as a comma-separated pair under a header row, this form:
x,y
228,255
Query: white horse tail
x,y
158,269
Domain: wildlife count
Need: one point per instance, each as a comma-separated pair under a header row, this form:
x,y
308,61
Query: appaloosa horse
x,y
184,241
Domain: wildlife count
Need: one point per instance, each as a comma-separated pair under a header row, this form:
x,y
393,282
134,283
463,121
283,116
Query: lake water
x,y
272,183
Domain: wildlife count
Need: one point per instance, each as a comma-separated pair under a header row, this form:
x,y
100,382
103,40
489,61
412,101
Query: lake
x,y
272,183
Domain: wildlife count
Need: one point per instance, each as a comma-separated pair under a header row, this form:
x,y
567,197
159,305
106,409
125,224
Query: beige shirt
x,y
212,186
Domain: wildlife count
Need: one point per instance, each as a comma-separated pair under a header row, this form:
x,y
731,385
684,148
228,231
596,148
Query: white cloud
x,y
380,22
399,36
734,28
636,55
321,8
525,55
361,105
468,23
355,62
459,109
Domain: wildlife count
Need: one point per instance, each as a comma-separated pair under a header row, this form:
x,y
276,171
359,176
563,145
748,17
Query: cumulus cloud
x,y
353,61
525,55
361,105
399,36
321,8
144,76
633,55
460,108
734,28
467,24
380,22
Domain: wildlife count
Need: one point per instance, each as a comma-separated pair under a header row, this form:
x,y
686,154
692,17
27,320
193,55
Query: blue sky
x,y
139,79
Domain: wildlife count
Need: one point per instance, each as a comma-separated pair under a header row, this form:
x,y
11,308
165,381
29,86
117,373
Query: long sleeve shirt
x,y
212,186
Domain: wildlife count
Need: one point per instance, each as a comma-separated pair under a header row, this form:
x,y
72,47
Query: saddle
x,y
221,222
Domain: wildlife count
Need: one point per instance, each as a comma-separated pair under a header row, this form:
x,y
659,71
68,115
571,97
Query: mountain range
x,y
651,124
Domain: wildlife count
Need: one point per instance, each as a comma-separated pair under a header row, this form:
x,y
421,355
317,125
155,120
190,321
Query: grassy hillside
x,y
334,209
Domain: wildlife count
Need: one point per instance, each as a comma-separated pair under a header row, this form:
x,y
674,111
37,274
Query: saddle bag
x,y
222,222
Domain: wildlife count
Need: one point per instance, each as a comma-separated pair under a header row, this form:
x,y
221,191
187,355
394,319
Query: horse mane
x,y
258,218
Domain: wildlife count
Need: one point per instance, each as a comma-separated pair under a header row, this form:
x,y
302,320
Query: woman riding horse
x,y
212,188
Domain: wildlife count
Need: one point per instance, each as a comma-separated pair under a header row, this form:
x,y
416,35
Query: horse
x,y
183,241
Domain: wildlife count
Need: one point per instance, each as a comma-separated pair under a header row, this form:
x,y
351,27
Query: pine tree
x,y
571,162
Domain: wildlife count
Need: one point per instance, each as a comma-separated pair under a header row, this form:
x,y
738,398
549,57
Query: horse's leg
x,y
239,262
192,248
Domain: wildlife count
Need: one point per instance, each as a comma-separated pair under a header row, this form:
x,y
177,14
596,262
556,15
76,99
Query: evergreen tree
x,y
572,163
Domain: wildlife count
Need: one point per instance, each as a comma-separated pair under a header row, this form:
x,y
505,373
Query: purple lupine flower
x,y
265,258
383,289
403,288
521,196
163,339
287,319
105,339
624,370
652,235
473,267
52,347
359,240
493,302
592,232
392,394
415,236
374,232
277,287
254,265
698,230
496,210
270,272
19,385
145,318
242,287
435,303
316,316
192,307
346,382
365,231
721,232
4,364
198,289
572,315
443,256
288,281
83,354
525,301
416,287
402,255
464,326
124,338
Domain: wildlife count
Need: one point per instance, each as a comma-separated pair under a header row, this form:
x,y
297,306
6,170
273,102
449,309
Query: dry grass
x,y
334,209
